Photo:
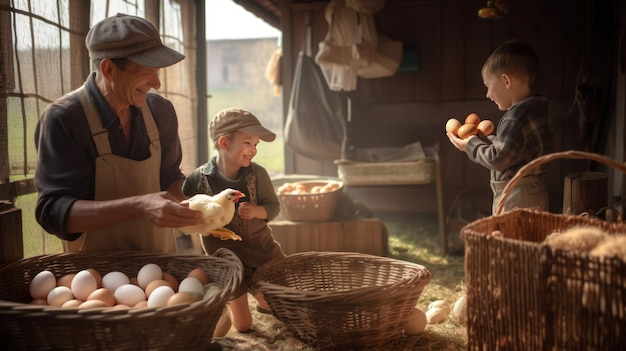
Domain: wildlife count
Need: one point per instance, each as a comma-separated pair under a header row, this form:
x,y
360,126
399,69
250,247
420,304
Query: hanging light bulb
x,y
495,9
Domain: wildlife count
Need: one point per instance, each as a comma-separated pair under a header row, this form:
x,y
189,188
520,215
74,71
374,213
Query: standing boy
x,y
523,133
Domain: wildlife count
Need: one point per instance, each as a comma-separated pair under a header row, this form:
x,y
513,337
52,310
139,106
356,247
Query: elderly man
x,y
108,169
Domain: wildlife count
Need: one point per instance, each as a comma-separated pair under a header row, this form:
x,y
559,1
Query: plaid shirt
x,y
523,134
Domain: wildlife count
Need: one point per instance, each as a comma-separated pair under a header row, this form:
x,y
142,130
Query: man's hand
x,y
164,210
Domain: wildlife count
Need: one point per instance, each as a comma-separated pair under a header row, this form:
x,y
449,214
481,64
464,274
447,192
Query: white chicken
x,y
218,211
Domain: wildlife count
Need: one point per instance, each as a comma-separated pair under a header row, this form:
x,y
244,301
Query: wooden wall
x,y
453,43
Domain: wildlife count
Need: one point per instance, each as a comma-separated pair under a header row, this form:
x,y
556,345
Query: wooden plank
x,y
584,192
9,191
358,235
11,240
296,236
452,47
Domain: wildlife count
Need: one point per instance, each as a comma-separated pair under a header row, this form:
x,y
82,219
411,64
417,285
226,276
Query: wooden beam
x,y
11,240
9,191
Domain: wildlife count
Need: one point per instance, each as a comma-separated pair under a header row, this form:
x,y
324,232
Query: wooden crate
x,y
357,235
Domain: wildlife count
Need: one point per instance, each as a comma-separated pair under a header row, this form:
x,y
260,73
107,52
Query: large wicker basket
x,y
180,327
342,300
523,295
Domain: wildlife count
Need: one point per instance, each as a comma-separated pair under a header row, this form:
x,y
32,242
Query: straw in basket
x,y
342,300
179,327
523,295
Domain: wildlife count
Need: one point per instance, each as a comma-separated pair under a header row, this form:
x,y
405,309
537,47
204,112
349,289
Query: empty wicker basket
x,y
342,300
181,327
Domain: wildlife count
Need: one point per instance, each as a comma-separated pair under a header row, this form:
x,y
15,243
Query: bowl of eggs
x,y
118,300
309,200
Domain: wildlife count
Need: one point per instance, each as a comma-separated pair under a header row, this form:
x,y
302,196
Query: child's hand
x,y
458,143
248,211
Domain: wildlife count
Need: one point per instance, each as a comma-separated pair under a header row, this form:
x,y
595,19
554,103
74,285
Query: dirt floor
x,y
413,238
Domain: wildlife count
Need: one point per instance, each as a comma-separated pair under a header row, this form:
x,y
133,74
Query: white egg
x,y
114,280
83,284
42,284
192,285
129,295
159,296
59,295
148,273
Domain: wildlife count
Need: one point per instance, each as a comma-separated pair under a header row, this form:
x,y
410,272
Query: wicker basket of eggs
x,y
117,300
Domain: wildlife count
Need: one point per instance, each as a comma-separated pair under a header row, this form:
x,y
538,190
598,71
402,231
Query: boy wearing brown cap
x,y
108,171
235,134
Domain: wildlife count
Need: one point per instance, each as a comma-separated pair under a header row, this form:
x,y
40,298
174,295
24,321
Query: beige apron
x,y
118,177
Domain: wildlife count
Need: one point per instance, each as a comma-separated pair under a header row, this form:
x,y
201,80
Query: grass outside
x,y
271,155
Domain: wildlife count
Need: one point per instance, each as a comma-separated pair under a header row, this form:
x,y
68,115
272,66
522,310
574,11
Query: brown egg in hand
x,y
472,118
485,127
467,130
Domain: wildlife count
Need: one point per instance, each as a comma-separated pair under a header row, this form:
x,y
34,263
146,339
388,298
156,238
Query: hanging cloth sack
x,y
315,125
336,55
385,61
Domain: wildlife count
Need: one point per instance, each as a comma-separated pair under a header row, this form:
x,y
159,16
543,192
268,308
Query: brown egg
x,y
72,303
104,295
472,118
467,130
141,304
120,306
416,322
66,280
155,284
96,275
133,281
93,304
171,279
181,298
485,127
453,125
40,302
199,274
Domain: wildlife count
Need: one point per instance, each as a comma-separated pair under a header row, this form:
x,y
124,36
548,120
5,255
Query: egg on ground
x,y
416,322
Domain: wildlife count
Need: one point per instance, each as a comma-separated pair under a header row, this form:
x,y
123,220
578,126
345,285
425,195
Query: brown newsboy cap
x,y
130,37
231,119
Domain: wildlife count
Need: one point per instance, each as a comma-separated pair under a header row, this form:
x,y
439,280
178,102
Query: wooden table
x,y
367,236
